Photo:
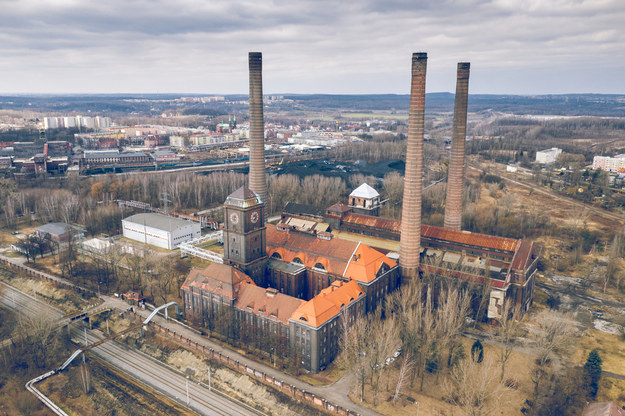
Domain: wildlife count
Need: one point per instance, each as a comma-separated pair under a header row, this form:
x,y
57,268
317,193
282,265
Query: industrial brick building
x,y
287,287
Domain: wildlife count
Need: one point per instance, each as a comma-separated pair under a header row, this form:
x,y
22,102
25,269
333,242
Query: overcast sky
x,y
310,46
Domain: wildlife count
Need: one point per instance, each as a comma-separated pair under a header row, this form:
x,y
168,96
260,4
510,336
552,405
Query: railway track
x,y
167,381
138,366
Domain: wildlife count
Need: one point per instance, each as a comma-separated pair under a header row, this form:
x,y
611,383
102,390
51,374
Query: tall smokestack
x,y
455,177
410,241
257,127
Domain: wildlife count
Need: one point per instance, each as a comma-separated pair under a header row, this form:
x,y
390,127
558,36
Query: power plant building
x,y
160,230
286,287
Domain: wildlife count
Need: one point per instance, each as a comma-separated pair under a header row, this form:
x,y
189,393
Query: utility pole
x,y
165,202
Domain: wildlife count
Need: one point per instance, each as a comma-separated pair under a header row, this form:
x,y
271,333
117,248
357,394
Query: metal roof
x,y
159,221
364,191
54,228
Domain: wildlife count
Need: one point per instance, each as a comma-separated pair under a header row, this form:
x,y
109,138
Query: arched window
x,y
297,260
276,255
319,266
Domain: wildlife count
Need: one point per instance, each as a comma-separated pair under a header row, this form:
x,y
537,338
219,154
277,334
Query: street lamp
x,y
187,391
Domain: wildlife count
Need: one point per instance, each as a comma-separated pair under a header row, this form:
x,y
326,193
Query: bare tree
x,y
452,309
36,337
407,364
383,341
354,346
616,249
552,335
505,334
474,390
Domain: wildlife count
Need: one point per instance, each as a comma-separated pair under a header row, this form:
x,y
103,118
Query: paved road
x,y
134,363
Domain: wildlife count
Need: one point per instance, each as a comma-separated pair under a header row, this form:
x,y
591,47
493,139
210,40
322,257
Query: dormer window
x,y
319,266
297,260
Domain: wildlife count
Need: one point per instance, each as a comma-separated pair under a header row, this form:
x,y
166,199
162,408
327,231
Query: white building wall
x,y
610,164
69,122
549,156
186,233
160,238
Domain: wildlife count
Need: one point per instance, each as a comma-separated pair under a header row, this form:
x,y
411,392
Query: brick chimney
x,y
257,178
410,240
455,177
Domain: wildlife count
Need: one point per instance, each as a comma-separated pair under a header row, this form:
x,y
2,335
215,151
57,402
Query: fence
x,y
271,381
45,276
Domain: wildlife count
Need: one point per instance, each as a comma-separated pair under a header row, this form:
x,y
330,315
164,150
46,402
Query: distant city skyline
x,y
311,46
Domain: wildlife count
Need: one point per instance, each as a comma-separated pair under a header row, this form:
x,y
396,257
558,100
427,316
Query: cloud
x,y
330,46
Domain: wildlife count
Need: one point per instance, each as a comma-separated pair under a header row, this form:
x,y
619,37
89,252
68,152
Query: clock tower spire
x,y
244,233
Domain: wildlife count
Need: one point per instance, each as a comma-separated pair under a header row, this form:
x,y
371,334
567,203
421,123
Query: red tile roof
x,y
333,254
365,264
267,302
523,255
474,239
328,303
371,221
339,208
430,231
217,278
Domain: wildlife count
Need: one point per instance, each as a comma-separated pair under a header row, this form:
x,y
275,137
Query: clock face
x,y
234,218
254,217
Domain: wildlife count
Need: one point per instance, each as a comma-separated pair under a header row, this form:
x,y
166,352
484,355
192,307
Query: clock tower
x,y
244,233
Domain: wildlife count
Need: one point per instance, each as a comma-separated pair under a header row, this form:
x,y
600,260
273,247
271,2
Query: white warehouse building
x,y
160,230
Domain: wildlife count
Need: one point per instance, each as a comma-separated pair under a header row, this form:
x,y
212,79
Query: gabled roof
x,y
217,278
365,191
339,208
328,303
333,254
267,302
55,228
365,264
